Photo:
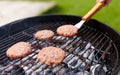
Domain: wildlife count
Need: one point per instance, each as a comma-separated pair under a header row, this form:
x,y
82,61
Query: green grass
x,y
109,15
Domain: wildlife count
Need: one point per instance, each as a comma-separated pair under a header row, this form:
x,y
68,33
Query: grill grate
x,y
86,51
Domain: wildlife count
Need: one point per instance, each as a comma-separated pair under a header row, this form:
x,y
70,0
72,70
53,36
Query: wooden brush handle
x,y
95,9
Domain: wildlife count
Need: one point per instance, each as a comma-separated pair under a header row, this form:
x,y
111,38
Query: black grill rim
x,y
17,26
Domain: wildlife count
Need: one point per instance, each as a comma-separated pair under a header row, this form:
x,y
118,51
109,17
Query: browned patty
x,y
51,55
44,34
67,30
19,50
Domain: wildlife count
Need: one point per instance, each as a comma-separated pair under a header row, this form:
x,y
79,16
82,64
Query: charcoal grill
x,y
93,51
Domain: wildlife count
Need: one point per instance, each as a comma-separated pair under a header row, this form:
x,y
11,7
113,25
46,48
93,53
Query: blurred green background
x,y
109,15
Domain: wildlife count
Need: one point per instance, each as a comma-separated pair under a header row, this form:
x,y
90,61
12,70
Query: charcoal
x,y
1,68
49,72
81,59
44,44
74,62
86,54
82,66
91,56
34,73
57,68
62,71
77,50
97,70
69,72
34,43
82,73
68,42
68,58
13,70
85,49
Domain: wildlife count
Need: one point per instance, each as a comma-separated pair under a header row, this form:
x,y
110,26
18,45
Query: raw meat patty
x,y
44,34
51,55
19,50
67,30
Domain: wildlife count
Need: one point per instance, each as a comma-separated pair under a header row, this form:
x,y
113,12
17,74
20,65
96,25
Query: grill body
x,y
104,39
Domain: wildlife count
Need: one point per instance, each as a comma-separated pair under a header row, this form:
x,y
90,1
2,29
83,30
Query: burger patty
x,y
67,30
51,55
19,50
44,34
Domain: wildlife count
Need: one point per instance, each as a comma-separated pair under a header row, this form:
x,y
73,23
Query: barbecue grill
x,y
95,50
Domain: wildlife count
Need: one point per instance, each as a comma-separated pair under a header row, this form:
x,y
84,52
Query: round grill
x,y
89,52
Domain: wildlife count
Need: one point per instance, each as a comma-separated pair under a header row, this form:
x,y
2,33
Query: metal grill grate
x,y
86,52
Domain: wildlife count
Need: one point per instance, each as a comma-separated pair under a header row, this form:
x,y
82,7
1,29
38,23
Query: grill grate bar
x,y
95,41
17,38
94,38
29,59
69,61
72,46
88,43
26,58
68,42
3,57
29,70
6,41
3,51
71,58
65,46
100,41
33,68
85,30
20,61
86,33
68,53
105,52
